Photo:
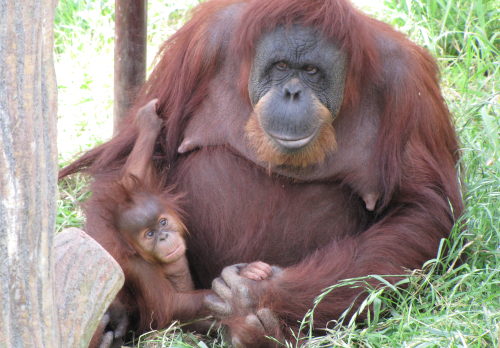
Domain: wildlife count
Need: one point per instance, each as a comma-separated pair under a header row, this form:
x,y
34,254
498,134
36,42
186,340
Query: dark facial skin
x,y
296,84
153,229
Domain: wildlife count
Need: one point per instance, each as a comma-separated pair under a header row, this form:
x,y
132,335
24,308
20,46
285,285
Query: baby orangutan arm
x,y
139,161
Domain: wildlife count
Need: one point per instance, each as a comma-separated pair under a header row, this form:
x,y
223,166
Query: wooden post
x,y
34,312
28,174
130,54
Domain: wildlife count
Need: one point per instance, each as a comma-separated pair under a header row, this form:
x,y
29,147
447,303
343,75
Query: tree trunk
x,y
28,174
28,194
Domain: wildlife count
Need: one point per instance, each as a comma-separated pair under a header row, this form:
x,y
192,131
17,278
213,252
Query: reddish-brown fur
x,y
123,208
150,299
393,126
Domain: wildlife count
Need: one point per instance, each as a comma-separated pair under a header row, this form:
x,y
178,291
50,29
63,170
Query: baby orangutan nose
x,y
163,235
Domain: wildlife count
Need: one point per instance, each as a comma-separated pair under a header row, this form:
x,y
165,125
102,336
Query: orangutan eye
x,y
282,65
163,222
150,234
311,69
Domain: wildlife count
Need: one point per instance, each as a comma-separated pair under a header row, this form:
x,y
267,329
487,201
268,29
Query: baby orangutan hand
x,y
257,270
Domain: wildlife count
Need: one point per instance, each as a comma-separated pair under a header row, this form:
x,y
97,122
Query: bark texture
x,y
28,174
87,280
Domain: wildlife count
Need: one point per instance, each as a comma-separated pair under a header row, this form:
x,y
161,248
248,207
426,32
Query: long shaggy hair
x,y
192,56
414,153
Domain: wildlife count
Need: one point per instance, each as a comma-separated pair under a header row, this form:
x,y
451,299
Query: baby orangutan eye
x,y
163,222
150,234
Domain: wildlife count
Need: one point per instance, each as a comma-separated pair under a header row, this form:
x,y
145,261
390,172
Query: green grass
x,y
441,306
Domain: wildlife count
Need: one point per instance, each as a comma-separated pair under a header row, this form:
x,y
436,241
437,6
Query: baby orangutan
x,y
147,216
145,236
148,243
155,231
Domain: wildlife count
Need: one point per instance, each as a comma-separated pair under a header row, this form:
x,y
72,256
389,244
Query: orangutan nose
x,y
292,90
163,235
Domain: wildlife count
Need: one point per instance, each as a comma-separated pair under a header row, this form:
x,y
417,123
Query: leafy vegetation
x,y
442,306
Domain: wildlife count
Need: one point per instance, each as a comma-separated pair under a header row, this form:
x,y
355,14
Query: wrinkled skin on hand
x,y
238,297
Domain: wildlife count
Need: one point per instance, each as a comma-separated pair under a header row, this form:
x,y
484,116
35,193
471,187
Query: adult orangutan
x,y
306,135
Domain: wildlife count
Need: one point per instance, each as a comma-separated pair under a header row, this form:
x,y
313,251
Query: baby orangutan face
x,y
152,228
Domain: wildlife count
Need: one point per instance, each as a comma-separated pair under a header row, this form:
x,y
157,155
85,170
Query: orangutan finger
x,y
221,289
251,275
219,308
121,327
264,267
107,340
253,321
231,274
267,319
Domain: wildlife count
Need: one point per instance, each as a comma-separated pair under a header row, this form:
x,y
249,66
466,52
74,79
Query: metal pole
x,y
130,54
